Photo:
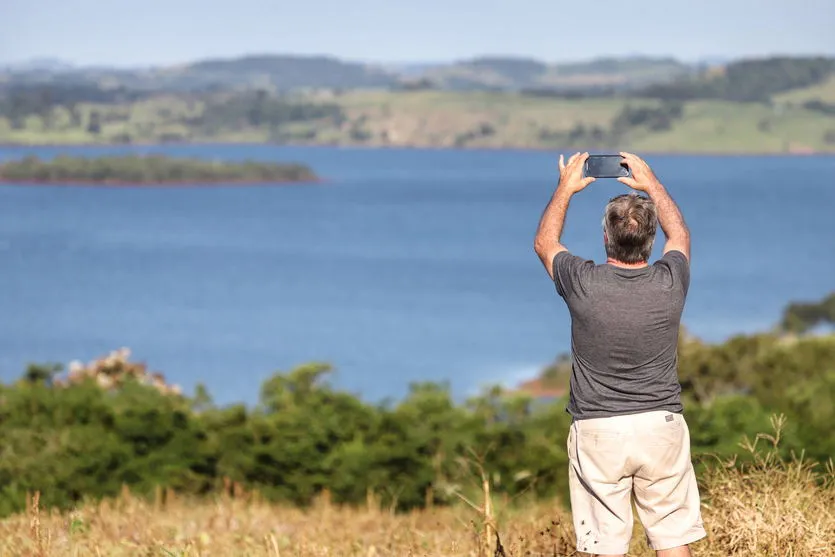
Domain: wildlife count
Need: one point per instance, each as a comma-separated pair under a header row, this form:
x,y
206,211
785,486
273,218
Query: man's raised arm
x,y
547,241
669,215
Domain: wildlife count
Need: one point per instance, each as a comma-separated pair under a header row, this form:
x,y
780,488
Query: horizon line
x,y
72,65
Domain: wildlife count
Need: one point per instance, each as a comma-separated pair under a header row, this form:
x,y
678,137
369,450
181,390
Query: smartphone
x,y
606,166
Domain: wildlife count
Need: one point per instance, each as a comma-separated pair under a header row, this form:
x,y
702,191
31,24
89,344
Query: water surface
x,y
407,265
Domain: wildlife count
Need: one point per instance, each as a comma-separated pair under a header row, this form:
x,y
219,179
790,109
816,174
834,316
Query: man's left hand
x,y
571,174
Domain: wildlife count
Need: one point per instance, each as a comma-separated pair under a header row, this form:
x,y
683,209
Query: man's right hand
x,y
571,174
643,178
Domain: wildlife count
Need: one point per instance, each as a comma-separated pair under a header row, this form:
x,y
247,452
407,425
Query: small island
x,y
150,170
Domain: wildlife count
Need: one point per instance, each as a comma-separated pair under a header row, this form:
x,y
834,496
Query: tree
x,y
94,125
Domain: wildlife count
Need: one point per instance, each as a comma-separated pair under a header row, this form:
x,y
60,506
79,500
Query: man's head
x,y
629,226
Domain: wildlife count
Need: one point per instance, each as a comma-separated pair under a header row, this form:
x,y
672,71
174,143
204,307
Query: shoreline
x,y
475,148
115,184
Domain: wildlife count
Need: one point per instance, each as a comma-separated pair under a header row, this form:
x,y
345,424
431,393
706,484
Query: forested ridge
x,y
775,104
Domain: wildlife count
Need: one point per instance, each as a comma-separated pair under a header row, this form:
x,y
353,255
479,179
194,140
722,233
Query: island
x,y
150,170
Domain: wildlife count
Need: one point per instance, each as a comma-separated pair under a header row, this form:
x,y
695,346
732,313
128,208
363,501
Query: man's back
x,y
624,334
629,438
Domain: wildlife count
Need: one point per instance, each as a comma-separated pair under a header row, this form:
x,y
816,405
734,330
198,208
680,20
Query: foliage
x,y
631,118
78,440
153,169
818,105
111,423
764,373
801,316
767,505
260,109
748,80
657,118
21,100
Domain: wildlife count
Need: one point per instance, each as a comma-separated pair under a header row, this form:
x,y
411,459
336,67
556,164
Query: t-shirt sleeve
x,y
568,273
679,269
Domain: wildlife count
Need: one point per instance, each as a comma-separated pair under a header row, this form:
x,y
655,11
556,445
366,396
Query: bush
x,y
770,505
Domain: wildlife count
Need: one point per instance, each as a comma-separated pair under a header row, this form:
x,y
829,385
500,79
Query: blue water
x,y
406,265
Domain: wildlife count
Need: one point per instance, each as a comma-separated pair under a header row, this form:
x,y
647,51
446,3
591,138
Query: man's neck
x,y
623,265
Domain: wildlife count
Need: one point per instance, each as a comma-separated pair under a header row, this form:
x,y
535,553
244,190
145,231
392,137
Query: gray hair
x,y
630,222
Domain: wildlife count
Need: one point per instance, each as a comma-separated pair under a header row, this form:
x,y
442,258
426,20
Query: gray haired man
x,y
628,437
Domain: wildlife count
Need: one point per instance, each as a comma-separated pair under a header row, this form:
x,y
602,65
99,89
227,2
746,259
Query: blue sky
x,y
150,32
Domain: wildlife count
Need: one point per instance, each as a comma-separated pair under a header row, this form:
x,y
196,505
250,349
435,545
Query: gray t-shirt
x,y
624,334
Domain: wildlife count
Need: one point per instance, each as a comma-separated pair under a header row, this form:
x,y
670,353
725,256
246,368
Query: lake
x,y
406,265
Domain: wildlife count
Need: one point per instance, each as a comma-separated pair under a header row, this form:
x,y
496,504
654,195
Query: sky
x,y
164,32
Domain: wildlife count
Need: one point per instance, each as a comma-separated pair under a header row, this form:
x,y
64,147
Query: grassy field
x,y
823,91
717,126
474,119
767,507
431,118
450,119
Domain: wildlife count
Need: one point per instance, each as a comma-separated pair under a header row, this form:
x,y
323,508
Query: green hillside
x,y
767,106
724,127
824,91
439,119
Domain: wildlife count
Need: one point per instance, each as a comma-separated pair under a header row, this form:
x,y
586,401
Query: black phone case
x,y
606,166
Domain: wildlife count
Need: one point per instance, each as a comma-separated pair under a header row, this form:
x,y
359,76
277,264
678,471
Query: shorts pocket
x,y
600,439
665,434
600,455
599,434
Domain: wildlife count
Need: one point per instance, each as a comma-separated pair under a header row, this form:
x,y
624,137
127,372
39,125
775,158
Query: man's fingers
x,y
579,157
587,181
562,164
635,160
577,160
628,181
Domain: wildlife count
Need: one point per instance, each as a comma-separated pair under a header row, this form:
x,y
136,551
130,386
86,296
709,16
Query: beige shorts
x,y
646,455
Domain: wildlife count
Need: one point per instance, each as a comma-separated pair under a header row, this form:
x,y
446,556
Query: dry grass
x,y
439,118
766,508
245,526
770,506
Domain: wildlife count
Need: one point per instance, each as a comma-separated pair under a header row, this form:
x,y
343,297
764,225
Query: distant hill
x,y
749,80
38,64
291,72
274,72
654,77
526,73
772,105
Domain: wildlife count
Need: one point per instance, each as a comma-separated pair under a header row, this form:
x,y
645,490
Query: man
x,y
628,436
